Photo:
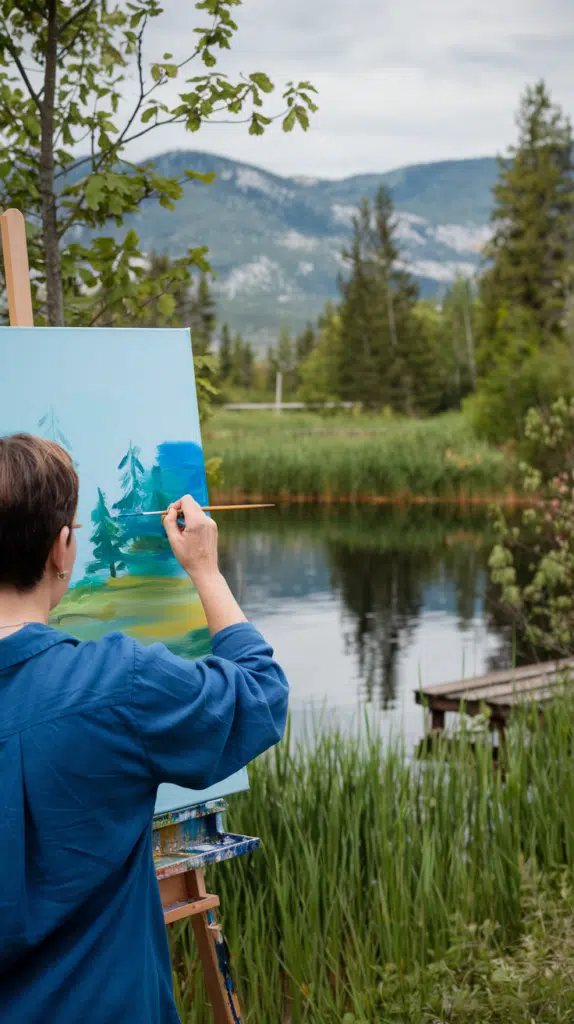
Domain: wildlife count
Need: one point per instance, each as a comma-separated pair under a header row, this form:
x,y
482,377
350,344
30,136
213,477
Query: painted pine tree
x,y
132,481
156,498
106,539
151,536
50,428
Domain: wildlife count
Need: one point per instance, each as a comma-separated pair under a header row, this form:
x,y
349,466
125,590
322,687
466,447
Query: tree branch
x,y
74,17
23,74
66,49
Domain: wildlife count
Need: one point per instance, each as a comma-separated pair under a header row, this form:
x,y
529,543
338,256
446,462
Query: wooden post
x,y
17,269
278,392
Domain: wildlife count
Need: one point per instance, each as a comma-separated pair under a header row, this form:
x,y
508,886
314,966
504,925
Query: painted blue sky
x,y
107,386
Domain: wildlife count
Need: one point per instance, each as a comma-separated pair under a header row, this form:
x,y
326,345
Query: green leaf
x,y
262,81
93,191
289,121
148,114
302,117
207,178
256,128
166,304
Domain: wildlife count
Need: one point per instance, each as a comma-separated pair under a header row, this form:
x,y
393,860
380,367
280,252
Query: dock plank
x,y
501,676
500,691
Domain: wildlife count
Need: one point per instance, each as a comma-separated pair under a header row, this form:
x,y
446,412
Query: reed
x,y
354,459
373,862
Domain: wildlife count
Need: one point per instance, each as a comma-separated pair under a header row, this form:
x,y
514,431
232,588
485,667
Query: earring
x,y
63,575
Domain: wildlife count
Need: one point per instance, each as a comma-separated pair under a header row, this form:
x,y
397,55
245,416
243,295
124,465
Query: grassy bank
x,y
392,890
349,457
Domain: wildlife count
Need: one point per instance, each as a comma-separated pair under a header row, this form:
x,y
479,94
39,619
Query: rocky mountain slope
x,y
276,242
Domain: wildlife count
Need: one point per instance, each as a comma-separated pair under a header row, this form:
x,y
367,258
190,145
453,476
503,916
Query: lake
x,y
363,604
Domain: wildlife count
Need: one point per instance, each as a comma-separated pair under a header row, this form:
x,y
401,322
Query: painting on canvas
x,y
124,404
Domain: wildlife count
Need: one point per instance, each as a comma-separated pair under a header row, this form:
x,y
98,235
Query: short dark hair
x,y
38,496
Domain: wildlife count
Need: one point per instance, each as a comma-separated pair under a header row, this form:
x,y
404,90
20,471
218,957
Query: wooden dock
x,y
499,692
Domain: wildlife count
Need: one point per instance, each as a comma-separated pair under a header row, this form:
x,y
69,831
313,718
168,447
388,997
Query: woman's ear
x,y
60,548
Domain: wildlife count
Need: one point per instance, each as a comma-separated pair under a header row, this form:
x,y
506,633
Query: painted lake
x,y
364,604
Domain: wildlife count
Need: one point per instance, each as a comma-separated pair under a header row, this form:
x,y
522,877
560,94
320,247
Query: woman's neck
x,y
18,609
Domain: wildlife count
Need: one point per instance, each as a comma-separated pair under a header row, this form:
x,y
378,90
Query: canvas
x,y
124,404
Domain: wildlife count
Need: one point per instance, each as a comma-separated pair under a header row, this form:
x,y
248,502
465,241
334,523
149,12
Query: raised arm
x,y
195,547
203,720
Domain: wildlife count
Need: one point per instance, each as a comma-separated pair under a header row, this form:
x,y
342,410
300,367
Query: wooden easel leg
x,y
213,954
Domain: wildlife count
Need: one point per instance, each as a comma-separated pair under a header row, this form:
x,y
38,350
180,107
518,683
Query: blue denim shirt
x,y
87,733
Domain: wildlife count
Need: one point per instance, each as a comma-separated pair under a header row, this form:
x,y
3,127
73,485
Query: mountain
x,y
275,242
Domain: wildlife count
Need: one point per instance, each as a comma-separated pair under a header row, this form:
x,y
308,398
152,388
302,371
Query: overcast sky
x,y
400,81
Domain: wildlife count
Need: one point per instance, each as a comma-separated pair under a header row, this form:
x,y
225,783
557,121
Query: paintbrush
x,y
205,508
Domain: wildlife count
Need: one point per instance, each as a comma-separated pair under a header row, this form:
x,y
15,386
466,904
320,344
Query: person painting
x,y
88,730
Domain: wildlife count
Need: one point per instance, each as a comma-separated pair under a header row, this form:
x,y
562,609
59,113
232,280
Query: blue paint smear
x,y
182,470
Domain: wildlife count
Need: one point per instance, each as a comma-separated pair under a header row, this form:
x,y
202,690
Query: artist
x,y
87,733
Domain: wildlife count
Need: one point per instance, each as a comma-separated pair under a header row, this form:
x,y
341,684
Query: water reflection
x,y
366,603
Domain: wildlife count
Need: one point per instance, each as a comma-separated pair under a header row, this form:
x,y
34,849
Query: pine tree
x,y
247,365
132,481
235,375
225,354
106,540
271,368
304,343
202,318
318,372
383,355
532,246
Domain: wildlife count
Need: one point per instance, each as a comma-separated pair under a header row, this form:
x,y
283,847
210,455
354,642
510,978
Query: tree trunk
x,y
55,296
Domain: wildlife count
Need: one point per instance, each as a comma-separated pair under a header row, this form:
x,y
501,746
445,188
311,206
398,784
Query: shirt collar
x,y
25,643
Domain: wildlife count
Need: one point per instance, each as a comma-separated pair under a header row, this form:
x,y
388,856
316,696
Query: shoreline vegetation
x,y
390,889
356,458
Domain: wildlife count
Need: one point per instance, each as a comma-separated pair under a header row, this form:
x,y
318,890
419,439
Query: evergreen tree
x,y
318,372
383,356
304,343
202,318
106,540
132,481
271,368
532,246
236,374
247,365
225,354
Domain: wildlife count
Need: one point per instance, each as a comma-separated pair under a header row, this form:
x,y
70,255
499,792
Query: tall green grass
x,y
352,458
372,863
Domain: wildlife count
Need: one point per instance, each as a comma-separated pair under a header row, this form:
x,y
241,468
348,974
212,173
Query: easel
x,y
187,840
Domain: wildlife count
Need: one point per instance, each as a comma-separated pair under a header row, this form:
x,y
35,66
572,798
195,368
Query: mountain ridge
x,y
275,240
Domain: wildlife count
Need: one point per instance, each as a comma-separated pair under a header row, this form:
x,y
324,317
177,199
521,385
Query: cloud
x,y
399,82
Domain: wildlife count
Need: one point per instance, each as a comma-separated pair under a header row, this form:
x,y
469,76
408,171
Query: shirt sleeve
x,y
201,721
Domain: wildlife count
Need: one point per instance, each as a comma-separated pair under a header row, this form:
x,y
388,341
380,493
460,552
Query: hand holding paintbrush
x,y
204,508
194,544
